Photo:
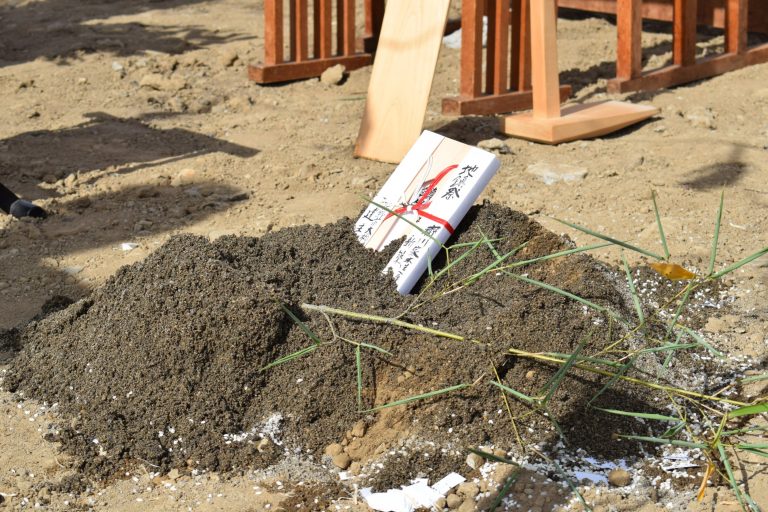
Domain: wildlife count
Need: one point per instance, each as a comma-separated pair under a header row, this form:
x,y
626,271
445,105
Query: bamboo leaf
x,y
731,477
611,240
504,491
661,229
521,396
490,456
423,396
374,347
556,379
632,290
741,263
658,440
301,324
749,410
290,357
716,237
644,415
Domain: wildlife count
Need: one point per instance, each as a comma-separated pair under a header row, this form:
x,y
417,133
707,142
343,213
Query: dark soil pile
x,y
162,364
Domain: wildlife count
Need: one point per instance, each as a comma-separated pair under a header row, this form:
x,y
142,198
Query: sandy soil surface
x,y
131,121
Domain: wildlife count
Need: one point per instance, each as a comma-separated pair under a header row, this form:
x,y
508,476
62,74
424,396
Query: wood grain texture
x,y
410,40
544,71
520,55
299,30
736,26
577,122
471,47
323,27
684,32
273,31
513,101
629,52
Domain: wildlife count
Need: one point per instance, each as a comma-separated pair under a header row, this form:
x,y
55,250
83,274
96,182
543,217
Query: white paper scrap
x,y
393,500
128,246
448,483
417,495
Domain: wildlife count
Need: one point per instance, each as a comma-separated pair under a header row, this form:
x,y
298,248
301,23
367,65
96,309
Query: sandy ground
x,y
131,121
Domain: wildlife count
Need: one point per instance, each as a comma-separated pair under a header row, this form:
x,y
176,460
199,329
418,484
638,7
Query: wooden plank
x,y
273,31
495,103
629,52
684,32
544,71
323,28
471,48
374,15
520,61
490,48
345,26
299,30
411,37
736,26
501,20
287,71
671,76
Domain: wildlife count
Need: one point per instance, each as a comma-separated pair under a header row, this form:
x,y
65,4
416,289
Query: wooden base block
x,y
494,103
286,71
577,122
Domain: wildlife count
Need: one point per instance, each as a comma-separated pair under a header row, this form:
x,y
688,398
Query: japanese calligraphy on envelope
x,y
423,201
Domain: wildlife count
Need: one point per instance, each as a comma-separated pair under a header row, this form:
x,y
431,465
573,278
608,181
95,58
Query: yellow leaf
x,y
672,271
703,486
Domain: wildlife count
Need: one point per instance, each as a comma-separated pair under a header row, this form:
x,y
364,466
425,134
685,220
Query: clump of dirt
x,y
165,363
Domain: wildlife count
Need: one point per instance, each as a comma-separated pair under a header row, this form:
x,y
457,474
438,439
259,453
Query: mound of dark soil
x,y
163,364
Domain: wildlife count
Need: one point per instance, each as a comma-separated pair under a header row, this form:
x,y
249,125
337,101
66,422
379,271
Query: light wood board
x,y
547,123
406,56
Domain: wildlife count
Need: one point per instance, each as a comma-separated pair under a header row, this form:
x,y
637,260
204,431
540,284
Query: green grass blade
x,y
748,410
359,367
669,346
755,451
741,263
490,456
595,360
558,377
659,440
644,415
661,228
611,240
632,290
423,396
614,377
754,378
554,255
701,341
469,244
374,347
499,260
755,446
716,237
290,357
680,307
573,487
520,396
731,477
672,432
301,325
564,293
669,357
464,255
504,491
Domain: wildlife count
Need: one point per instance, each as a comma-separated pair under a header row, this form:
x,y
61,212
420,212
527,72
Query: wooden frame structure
x,y
300,64
507,85
685,67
